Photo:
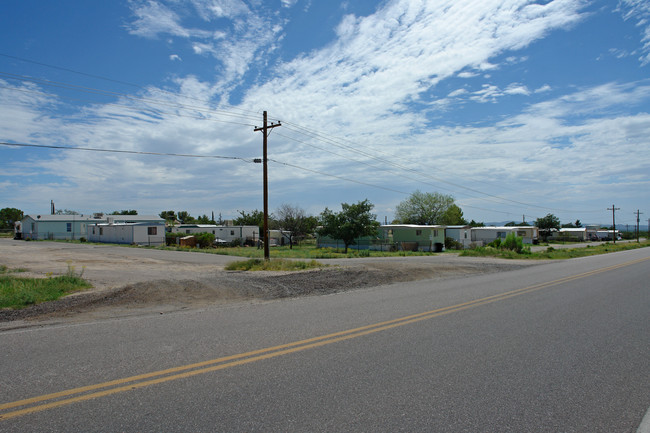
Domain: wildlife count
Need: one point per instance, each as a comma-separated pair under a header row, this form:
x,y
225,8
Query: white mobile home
x,y
54,227
245,234
149,234
71,227
485,235
460,233
574,234
607,235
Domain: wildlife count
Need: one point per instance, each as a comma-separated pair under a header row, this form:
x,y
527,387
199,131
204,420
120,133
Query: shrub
x,y
495,243
452,244
204,240
513,242
172,238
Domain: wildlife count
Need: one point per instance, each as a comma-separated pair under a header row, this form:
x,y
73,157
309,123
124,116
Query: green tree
x,y
547,224
453,216
8,216
295,221
425,208
184,217
204,240
66,212
168,215
204,219
255,218
354,221
125,212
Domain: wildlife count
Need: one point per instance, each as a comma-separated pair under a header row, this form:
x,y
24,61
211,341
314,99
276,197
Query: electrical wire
x,y
133,152
335,141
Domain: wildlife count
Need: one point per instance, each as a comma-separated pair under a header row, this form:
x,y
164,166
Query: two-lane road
x,y
563,346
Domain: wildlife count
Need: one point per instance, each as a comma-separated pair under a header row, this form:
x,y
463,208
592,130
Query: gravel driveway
x,y
129,280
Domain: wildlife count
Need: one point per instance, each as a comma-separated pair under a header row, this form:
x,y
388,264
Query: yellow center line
x,y
140,381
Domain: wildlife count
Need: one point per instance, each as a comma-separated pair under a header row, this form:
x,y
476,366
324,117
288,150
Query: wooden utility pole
x,y
638,227
265,132
614,209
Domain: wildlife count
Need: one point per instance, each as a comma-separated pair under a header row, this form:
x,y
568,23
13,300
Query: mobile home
x,y
485,235
245,234
145,233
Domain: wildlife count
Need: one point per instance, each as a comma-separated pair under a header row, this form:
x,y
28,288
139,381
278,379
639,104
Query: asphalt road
x,y
563,346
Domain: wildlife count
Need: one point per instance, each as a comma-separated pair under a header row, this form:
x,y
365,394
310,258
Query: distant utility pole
x,y
265,132
614,209
637,224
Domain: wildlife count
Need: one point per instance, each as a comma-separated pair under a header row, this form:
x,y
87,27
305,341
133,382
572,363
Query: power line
x,y
335,141
92,90
100,77
337,177
142,110
133,152
408,169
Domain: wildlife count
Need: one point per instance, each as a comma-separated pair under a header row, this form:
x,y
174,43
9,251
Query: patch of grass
x,y
494,252
556,253
17,292
273,265
5,270
301,252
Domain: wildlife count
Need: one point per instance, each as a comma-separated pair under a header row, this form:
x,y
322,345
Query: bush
x,y
495,243
452,244
204,240
513,243
171,239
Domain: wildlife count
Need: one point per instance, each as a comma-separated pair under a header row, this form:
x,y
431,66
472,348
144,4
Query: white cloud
x,y
517,89
361,88
639,10
288,3
175,58
236,45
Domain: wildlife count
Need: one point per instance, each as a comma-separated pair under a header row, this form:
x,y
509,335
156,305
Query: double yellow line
x,y
49,401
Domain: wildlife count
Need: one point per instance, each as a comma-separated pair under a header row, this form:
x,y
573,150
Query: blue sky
x,y
516,108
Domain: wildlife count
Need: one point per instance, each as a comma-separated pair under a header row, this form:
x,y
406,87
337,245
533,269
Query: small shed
x,y
188,241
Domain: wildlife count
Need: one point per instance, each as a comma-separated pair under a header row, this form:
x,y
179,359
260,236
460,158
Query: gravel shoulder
x,y
134,281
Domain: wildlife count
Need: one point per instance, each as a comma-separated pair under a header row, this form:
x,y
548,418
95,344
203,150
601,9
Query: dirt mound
x,y
220,287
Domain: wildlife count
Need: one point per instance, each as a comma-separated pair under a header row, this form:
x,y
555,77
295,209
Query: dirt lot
x,y
130,281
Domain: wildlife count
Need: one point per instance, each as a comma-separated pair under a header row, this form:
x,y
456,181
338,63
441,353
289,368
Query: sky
x,y
515,108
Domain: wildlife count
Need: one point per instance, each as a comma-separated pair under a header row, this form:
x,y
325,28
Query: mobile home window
x,y
68,227
501,235
418,233
152,231
435,233
521,233
101,231
232,233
